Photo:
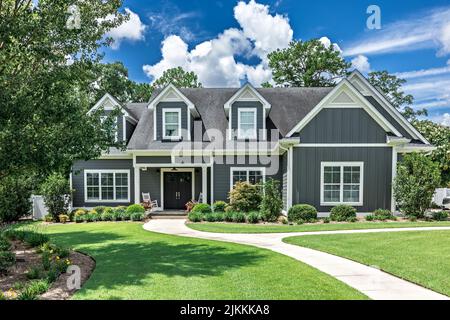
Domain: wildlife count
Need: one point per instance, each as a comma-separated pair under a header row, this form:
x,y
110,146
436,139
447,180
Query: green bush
x,y
34,273
439,216
219,216
4,244
56,192
195,216
7,260
272,202
100,209
245,197
210,217
15,194
107,216
417,179
352,219
79,219
383,214
34,289
219,206
63,218
137,216
228,216
253,217
370,217
326,220
239,217
135,208
304,212
32,235
202,208
342,212
126,216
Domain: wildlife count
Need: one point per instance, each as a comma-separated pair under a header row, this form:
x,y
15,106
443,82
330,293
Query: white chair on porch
x,y
148,202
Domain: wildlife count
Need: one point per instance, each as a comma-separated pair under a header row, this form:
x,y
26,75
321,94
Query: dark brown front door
x,y
177,189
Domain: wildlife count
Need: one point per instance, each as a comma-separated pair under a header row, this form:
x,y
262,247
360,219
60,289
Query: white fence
x,y
39,208
440,195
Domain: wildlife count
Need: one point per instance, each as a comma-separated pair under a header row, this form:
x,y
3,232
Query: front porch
x,y
172,185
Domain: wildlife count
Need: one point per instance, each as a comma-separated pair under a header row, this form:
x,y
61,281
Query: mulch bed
x,y
27,258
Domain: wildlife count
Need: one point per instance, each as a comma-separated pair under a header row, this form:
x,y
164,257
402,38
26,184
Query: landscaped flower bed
x,y
32,268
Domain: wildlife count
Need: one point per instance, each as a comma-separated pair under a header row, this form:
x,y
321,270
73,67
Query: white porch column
x,y
137,185
394,175
205,184
290,177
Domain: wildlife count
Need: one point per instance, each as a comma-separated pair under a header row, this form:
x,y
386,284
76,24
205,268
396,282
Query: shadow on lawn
x,y
131,261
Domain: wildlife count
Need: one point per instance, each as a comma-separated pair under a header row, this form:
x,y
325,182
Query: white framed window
x,y
247,126
107,186
250,175
171,124
341,183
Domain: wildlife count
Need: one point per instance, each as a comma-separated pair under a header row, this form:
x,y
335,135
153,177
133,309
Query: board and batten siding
x,y
159,117
377,174
352,125
78,180
222,173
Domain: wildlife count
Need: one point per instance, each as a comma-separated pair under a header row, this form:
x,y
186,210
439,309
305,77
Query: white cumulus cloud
x,y
132,30
361,63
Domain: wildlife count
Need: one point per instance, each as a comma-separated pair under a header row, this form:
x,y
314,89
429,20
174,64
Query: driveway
x,y
374,283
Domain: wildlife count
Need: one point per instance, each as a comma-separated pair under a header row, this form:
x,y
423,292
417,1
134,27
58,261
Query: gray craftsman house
x,y
327,146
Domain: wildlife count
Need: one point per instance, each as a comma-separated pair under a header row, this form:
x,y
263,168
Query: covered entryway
x,y
178,188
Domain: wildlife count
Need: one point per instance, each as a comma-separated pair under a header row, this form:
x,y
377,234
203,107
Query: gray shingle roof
x,y
136,109
289,106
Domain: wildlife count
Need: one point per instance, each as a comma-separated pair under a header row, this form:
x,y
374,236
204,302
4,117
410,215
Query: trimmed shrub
x,y
63,218
7,260
219,206
135,208
100,209
195,216
80,212
126,216
253,217
239,217
137,216
342,212
79,219
56,192
107,215
48,218
304,212
272,203
202,208
228,216
245,197
210,217
439,216
326,220
219,216
15,194
383,214
370,217
352,219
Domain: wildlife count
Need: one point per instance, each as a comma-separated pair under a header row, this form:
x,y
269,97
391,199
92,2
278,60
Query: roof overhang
x,y
247,93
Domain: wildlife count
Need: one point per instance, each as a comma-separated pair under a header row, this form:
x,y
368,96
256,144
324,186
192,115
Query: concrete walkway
x,y
372,282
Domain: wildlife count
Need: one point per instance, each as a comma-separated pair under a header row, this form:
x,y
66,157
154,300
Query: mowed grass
x,y
136,264
273,228
422,257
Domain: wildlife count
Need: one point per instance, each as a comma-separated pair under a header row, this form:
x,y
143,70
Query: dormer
x,y
247,112
173,115
125,122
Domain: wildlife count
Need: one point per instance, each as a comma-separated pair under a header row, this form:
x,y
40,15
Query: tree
x,y
417,179
44,95
307,64
439,136
179,78
245,197
56,192
113,78
272,202
391,86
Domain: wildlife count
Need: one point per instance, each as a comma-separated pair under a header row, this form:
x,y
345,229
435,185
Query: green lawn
x,y
136,264
422,257
271,228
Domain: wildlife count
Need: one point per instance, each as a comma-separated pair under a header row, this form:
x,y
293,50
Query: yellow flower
x,y
57,258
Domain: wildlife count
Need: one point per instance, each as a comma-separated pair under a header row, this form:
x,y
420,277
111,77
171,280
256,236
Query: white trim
x,y
342,145
154,125
137,185
236,97
124,129
247,169
394,175
164,170
171,110
394,112
204,185
355,94
99,172
212,181
161,95
290,176
171,165
342,165
115,104
71,188
255,123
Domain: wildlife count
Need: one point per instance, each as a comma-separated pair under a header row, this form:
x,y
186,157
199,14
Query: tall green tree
x,y
46,68
179,78
307,64
391,86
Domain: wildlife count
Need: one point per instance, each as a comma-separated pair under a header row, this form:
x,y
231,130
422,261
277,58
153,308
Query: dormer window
x,y
171,124
247,126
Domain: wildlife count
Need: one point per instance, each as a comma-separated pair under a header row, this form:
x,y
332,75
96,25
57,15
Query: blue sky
x,y
225,42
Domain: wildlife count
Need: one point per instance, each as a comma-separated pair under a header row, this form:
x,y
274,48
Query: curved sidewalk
x,y
372,282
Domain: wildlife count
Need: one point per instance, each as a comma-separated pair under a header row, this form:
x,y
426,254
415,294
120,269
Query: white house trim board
x,y
171,110
161,98
255,123
99,172
394,175
115,104
342,165
164,170
242,92
247,169
357,77
347,87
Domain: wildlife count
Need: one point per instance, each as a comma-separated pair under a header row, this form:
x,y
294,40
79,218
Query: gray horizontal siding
x,y
342,126
78,179
377,175
155,160
170,105
222,173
